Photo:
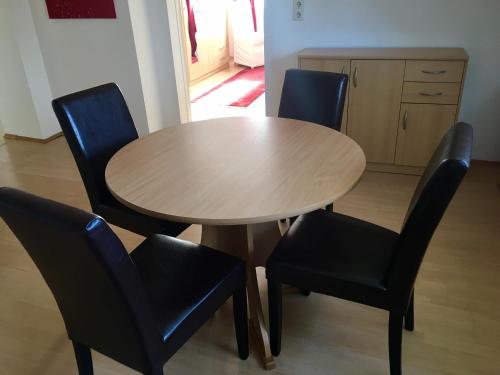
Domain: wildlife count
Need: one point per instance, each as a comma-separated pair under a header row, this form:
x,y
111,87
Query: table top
x,y
235,171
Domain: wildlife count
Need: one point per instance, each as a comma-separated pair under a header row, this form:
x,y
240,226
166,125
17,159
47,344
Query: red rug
x,y
240,90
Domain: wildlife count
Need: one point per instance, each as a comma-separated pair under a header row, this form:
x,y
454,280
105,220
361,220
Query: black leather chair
x,y
314,96
348,258
97,123
138,309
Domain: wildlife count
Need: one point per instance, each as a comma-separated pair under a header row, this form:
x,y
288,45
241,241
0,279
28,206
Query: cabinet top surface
x,y
386,53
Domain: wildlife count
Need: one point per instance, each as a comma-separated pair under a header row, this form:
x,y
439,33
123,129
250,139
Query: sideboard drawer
x,y
431,93
434,71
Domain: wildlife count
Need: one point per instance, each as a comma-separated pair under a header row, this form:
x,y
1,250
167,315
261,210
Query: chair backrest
x,y
96,286
96,123
434,192
317,97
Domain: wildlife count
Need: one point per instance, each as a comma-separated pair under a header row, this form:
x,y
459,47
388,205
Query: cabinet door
x,y
420,130
334,66
374,103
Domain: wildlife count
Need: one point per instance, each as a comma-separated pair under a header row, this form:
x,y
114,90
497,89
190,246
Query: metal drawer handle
x,y
405,120
343,70
355,77
431,93
434,71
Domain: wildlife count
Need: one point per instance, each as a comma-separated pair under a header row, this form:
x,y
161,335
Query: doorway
x,y
223,57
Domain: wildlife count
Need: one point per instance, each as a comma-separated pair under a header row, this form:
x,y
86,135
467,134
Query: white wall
x,y
81,53
34,66
154,53
17,111
473,25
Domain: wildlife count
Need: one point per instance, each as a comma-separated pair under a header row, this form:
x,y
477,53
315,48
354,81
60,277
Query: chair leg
x,y
83,359
409,316
395,340
275,315
241,321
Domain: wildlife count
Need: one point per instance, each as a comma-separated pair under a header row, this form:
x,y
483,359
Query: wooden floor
x,y
457,323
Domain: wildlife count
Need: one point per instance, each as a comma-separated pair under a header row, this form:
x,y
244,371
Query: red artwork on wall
x,y
81,8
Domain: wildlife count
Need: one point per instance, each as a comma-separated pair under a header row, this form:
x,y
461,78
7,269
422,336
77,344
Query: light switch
x,y
298,10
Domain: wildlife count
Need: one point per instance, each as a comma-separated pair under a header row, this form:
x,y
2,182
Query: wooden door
x,y
421,127
374,104
334,66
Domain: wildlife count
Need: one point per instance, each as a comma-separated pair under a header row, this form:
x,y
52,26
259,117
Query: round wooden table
x,y
237,177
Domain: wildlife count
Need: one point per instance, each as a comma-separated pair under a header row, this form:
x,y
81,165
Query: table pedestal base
x,y
252,243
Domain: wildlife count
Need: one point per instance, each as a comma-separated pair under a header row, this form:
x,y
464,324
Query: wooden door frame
x,y
177,36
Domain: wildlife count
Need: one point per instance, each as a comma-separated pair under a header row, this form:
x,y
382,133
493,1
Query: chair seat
x,y
118,214
324,248
208,277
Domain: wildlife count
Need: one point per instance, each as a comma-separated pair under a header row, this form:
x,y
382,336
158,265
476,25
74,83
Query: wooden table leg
x,y
253,243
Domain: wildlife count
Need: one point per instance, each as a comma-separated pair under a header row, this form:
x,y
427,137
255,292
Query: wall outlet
x,y
298,10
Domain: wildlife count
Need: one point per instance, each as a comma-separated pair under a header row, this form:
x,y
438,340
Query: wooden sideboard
x,y
400,101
